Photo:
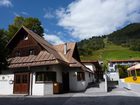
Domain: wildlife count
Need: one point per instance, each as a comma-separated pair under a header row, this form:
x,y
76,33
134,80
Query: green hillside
x,y
112,52
122,44
128,36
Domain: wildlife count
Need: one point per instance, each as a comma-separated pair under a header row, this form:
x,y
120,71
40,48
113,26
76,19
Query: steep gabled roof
x,y
69,56
53,54
44,44
70,50
47,46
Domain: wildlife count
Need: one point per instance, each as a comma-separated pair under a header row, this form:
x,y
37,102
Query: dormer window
x,y
31,52
25,37
17,53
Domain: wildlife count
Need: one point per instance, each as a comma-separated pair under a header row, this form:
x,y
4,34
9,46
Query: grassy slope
x,y
112,52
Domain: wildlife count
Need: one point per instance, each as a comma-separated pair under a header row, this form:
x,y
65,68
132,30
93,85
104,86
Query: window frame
x,y
31,52
26,37
45,78
80,76
17,53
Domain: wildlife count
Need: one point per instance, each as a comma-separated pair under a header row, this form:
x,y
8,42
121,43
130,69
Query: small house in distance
x,y
38,68
96,67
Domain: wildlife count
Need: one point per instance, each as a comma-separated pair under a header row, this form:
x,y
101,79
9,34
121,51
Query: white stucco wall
x,y
90,66
37,88
113,76
77,85
46,88
6,84
6,88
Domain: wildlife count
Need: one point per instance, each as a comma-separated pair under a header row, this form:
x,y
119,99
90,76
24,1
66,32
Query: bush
x,y
122,71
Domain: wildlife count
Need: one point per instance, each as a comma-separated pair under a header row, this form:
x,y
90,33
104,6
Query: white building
x,y
96,68
39,68
113,73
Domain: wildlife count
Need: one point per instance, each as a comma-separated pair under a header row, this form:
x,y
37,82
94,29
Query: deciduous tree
x,y
32,23
3,51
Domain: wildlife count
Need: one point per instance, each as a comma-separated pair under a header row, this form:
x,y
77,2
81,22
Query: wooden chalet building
x,y
38,68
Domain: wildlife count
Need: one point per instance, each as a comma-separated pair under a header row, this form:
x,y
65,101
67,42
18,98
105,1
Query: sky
x,y
73,20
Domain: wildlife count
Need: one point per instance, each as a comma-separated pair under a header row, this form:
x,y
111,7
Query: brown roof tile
x,y
51,54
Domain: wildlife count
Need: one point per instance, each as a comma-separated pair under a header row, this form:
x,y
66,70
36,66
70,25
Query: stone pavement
x,y
95,88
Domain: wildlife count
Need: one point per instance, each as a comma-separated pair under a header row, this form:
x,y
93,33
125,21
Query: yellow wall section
x,y
131,80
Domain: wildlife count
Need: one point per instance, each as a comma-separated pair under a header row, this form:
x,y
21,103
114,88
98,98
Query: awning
x,y
135,67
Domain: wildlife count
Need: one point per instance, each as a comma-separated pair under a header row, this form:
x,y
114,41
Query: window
x,y
89,75
80,76
17,53
111,64
31,52
50,76
25,37
46,76
40,76
17,81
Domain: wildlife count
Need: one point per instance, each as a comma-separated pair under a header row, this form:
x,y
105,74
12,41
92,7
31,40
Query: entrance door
x,y
65,78
21,83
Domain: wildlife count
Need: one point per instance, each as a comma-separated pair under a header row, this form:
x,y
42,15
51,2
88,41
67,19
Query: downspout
x,y
31,81
31,84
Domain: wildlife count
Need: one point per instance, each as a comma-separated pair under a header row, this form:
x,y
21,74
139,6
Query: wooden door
x,y
21,83
65,78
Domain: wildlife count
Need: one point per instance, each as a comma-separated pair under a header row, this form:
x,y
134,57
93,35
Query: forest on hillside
x,y
128,36
87,46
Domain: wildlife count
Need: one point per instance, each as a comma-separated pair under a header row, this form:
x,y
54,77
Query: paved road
x,y
115,97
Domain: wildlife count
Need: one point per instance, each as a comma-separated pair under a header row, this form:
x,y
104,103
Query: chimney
x,y
65,48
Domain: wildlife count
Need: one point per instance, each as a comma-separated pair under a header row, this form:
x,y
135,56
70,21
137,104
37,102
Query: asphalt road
x,y
33,101
102,100
115,97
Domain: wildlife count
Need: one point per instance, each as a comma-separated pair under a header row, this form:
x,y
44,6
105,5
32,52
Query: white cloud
x,y
87,18
24,13
53,39
6,3
16,14
49,13
21,14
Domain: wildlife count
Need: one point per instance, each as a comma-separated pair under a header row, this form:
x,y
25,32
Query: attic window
x,y
17,53
25,37
31,52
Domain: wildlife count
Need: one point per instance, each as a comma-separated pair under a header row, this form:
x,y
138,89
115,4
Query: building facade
x,y
96,68
38,68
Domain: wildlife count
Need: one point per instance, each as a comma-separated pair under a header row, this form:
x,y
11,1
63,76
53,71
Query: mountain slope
x,y
120,45
129,36
112,52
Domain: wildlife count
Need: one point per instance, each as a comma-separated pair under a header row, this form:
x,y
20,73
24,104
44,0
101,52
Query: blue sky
x,y
73,20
